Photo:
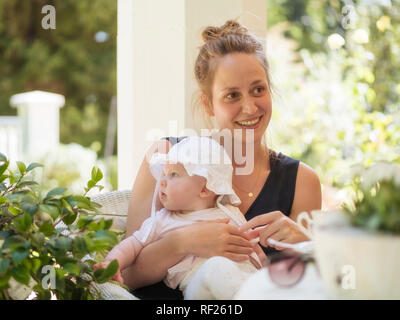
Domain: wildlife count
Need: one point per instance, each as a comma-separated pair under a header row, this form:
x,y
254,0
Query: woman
x,y
232,73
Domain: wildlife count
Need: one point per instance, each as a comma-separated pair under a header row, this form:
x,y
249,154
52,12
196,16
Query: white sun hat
x,y
205,157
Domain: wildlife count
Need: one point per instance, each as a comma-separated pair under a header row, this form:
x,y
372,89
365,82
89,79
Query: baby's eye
x,y
174,174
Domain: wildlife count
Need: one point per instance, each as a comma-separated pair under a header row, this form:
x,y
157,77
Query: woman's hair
x,y
220,41
232,37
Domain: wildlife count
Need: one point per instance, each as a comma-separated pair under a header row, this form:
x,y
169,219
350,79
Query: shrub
x,y
56,231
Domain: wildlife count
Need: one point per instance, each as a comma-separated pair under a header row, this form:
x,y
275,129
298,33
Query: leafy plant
x,y
377,199
57,231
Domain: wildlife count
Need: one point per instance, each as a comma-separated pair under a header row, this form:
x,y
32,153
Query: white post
x,y
39,113
157,44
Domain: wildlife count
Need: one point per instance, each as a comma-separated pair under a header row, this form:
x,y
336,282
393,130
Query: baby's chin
x,y
171,207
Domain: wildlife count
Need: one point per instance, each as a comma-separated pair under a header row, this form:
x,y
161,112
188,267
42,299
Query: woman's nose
x,y
248,106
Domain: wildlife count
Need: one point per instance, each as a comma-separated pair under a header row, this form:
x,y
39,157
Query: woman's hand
x,y
274,225
216,238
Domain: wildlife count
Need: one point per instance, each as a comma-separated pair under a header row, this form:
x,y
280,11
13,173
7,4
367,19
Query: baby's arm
x,y
125,253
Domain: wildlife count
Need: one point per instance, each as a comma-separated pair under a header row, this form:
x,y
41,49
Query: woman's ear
x,y
207,104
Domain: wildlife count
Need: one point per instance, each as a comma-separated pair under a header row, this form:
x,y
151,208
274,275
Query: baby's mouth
x,y
163,195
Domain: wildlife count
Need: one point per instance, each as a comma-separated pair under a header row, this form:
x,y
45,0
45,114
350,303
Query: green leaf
x,y
97,175
33,166
3,200
38,239
106,236
63,243
21,274
103,275
3,168
90,184
80,247
53,211
23,223
67,205
21,167
80,201
4,281
4,263
72,268
15,242
19,255
84,221
27,183
3,158
47,229
70,218
35,265
55,192
14,210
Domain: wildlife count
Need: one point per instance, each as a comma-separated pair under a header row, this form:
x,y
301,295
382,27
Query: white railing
x,y
10,137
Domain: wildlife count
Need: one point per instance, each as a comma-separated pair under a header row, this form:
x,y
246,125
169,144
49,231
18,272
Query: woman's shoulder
x,y
305,175
308,190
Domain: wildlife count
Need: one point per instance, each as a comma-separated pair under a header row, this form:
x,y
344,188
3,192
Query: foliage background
x,y
67,60
335,69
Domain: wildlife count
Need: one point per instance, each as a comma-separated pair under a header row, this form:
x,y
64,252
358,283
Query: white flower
x,y
360,36
335,41
381,171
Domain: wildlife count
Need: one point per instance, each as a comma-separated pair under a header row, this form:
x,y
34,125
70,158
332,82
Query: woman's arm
x,y
202,239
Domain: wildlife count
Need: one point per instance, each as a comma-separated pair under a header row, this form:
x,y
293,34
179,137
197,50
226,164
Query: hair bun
x,y
230,27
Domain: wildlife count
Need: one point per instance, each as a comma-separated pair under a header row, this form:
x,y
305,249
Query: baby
x,y
194,183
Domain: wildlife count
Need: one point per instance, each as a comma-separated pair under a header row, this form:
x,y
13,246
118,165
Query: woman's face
x,y
240,95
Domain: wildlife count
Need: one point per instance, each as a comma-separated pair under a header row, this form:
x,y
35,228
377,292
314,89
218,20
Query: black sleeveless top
x,y
276,194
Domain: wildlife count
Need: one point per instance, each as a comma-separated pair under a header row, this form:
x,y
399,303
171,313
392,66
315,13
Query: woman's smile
x,y
251,123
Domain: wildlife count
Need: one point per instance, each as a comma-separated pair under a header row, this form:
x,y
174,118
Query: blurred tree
x,y
77,59
369,31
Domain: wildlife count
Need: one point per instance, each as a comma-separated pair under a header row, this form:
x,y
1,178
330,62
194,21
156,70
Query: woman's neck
x,y
247,157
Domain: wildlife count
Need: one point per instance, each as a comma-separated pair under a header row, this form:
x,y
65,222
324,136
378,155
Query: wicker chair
x,y
115,206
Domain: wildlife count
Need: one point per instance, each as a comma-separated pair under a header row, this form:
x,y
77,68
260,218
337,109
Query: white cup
x,y
321,219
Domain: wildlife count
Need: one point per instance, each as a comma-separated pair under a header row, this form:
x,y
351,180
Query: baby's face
x,y
178,190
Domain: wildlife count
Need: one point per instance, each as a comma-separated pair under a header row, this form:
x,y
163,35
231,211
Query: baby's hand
x,y
103,265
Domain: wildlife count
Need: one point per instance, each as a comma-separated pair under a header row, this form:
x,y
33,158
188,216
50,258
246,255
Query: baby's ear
x,y
205,193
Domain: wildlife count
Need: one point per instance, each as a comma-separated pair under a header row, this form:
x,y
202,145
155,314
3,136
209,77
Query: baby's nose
x,y
163,183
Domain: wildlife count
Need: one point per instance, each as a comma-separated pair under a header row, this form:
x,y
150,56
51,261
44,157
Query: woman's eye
x,y
232,95
258,90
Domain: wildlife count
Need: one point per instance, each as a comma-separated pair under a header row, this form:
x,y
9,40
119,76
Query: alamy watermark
x,y
237,144
49,280
49,20
350,15
347,277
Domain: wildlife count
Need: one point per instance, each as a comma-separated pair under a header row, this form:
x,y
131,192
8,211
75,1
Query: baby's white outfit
x,y
164,221
198,278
